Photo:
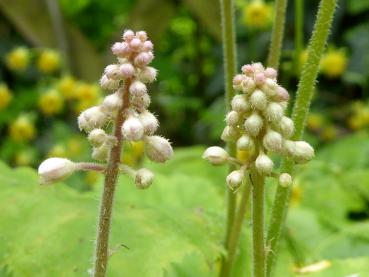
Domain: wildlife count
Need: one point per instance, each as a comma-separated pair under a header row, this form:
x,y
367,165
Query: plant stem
x,y
229,57
300,111
277,34
106,207
299,32
258,236
236,231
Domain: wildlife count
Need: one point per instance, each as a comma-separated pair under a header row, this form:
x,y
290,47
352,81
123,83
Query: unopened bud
x,y
260,79
128,35
257,67
285,180
137,88
111,103
245,143
303,152
248,85
253,124
215,155
120,49
234,179
229,134
237,80
141,35
247,69
149,122
258,100
239,104
272,141
97,137
274,112
158,149
140,102
109,84
232,118
147,45
286,127
102,152
112,71
132,129
127,70
92,118
55,169
143,178
143,59
282,94
135,44
264,164
270,73
147,74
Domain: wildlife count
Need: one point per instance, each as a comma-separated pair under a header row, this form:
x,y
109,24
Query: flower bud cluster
x,y
127,79
257,124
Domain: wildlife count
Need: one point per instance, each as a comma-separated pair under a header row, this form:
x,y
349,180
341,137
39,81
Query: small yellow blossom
x,y
18,59
75,146
296,193
257,14
91,177
329,133
58,150
50,103
333,64
315,121
24,158
67,86
48,61
87,92
5,96
22,129
360,117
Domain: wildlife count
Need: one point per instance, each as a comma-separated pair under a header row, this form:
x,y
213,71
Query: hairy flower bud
x,y
147,74
229,134
234,179
264,164
102,152
215,155
303,152
128,35
258,100
111,103
143,178
140,102
112,71
92,118
149,122
132,129
120,49
286,127
97,137
239,104
237,81
55,169
245,143
158,149
135,44
272,141
274,112
141,35
137,88
127,70
270,73
143,59
147,45
109,84
253,124
232,118
285,180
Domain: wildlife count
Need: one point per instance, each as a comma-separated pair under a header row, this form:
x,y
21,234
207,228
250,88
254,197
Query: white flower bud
x,y
128,35
97,137
232,118
282,94
132,129
257,67
143,59
92,118
285,180
109,84
260,79
289,147
102,152
120,49
258,100
111,103
112,71
274,112
147,74
215,155
303,152
247,69
239,104
253,124
135,44
137,88
237,81
127,70
248,85
147,45
149,122
158,149
272,141
140,102
264,164
229,134
141,35
143,178
245,143
286,127
55,169
270,73
234,179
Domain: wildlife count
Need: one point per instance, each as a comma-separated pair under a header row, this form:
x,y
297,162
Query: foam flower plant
x,y
126,107
258,125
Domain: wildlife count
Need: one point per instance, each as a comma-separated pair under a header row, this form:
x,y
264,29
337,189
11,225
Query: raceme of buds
x,y
127,79
258,125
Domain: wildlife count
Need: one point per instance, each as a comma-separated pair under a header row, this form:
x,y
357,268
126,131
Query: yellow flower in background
x,y
87,92
48,61
24,158
257,14
296,193
68,87
57,150
329,133
333,64
5,96
50,103
82,105
18,59
91,177
22,129
315,121
360,117
75,146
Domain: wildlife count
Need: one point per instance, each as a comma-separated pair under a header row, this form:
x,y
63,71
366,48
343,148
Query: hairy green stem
x,y
229,57
300,111
106,206
236,231
277,33
258,235
299,32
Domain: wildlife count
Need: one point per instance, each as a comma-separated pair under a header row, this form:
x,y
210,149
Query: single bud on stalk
x,y
132,129
234,179
97,137
147,75
111,103
55,169
272,141
158,149
303,152
149,122
92,118
245,143
264,164
285,180
137,88
143,178
253,124
215,155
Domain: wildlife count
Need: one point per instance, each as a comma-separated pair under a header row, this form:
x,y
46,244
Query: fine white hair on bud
x,y
111,103
237,81
258,100
101,153
128,35
147,45
158,149
286,127
127,70
254,124
239,104
147,74
229,134
232,118
260,79
215,155
140,102
270,73
137,88
272,141
112,71
257,67
92,118
234,179
264,164
55,169
285,180
97,137
303,152
143,59
132,129
248,85
282,94
143,178
141,35
149,122
245,143
120,49
107,83
274,112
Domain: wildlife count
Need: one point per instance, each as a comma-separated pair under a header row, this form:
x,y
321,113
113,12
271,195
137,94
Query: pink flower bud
x,y
259,79
149,122
270,73
128,35
127,70
132,129
237,81
158,149
135,44
247,69
55,169
137,88
143,59
120,49
141,35
282,94
147,46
